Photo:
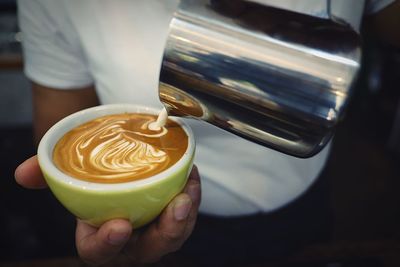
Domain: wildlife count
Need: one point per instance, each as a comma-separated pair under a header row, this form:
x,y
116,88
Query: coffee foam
x,y
119,148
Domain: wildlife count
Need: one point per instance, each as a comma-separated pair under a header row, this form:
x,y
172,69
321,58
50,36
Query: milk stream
x,y
160,122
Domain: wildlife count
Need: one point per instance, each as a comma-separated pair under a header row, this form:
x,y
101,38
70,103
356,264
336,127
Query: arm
x,y
51,105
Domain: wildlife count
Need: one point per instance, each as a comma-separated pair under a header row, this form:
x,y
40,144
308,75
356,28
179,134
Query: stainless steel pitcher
x,y
275,77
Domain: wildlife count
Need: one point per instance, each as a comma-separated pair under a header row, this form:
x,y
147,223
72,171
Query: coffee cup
x,y
139,201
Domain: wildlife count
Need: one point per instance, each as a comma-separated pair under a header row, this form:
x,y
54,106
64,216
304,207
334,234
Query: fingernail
x,y
117,238
194,192
195,173
182,208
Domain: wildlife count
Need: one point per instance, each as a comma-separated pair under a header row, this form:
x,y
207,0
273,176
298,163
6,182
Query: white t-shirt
x,y
118,46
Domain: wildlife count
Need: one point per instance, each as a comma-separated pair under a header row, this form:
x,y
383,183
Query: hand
x,y
99,245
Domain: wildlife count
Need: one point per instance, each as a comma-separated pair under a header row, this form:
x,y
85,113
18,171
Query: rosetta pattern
x,y
115,152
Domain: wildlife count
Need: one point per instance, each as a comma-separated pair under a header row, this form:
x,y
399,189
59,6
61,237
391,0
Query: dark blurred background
x,y
32,224
364,170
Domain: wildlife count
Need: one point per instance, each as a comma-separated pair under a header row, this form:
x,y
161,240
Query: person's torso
x,y
122,43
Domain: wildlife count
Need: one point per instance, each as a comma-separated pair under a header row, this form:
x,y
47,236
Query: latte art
x,y
119,148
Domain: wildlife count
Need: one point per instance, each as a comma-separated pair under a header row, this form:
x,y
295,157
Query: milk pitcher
x,y
275,77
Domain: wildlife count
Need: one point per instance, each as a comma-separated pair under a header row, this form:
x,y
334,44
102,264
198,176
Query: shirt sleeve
x,y
373,6
53,56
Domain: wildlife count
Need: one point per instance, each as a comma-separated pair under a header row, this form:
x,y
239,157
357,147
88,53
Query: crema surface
x,y
119,148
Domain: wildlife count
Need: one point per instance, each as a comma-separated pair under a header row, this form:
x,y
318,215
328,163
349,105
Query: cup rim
x,y
51,137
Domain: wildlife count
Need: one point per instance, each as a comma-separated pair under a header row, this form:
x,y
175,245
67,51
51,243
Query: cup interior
x,y
50,139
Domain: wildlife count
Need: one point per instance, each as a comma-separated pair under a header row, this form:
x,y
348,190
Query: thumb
x,y
97,246
29,175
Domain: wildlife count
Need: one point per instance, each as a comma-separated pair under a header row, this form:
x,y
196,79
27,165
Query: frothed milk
x,y
121,148
160,122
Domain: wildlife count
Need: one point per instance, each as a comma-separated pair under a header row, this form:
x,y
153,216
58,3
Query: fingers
x,y
97,246
193,189
173,227
165,236
193,185
29,175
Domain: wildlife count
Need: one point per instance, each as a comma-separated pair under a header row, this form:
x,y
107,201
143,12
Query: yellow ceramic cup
x,y
138,201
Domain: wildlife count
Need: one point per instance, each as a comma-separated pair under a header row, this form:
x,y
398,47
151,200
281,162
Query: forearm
x,y
50,105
